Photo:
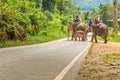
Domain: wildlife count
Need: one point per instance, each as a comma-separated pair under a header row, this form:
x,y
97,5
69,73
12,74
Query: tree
x,y
105,11
39,4
115,14
48,5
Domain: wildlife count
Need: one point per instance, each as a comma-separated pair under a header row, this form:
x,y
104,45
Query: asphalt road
x,y
47,61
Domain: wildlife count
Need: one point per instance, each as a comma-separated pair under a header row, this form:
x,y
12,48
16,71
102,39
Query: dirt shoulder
x,y
102,63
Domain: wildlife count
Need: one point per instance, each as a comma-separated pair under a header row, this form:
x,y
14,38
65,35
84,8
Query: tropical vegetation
x,y
34,21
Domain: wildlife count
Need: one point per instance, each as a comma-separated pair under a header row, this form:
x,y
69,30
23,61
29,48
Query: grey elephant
x,y
76,26
80,34
100,30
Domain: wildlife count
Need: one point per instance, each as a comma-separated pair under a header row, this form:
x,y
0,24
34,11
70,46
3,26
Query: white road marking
x,y
61,75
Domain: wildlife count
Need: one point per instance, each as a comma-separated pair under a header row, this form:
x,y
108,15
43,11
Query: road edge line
x,y
61,75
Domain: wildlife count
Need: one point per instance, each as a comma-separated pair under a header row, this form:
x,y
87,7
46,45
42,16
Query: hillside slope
x,y
90,4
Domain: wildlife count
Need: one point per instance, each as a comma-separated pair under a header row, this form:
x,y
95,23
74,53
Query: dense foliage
x,y
33,19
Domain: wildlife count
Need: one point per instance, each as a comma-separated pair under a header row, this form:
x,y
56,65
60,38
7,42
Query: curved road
x,y
48,61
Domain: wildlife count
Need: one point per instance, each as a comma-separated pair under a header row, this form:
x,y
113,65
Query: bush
x,y
114,36
64,19
49,15
26,16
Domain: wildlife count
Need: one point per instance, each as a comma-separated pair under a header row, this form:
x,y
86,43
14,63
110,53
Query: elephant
x,y
80,34
100,30
75,26
69,28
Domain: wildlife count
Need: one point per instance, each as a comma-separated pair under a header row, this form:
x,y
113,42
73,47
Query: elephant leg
x,y
68,34
105,39
92,37
96,39
83,38
72,35
86,36
79,38
75,36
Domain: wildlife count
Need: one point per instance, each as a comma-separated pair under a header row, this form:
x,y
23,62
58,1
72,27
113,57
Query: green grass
x,y
114,37
90,50
112,58
32,40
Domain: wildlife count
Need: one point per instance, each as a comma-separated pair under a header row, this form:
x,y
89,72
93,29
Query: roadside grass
x,y
114,36
33,40
102,64
113,58
102,61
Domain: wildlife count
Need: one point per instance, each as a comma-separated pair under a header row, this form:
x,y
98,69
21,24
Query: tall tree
x,y
39,4
105,11
48,5
115,14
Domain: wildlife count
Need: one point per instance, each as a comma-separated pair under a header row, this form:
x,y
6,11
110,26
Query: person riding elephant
x,y
78,26
78,18
90,24
98,20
